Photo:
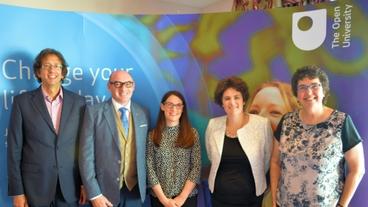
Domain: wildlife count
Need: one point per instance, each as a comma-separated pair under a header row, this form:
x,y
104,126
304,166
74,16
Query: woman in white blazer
x,y
239,149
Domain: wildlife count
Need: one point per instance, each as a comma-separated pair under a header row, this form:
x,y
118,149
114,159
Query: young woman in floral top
x,y
311,147
173,155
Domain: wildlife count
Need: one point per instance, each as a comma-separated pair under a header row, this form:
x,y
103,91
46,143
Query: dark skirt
x,y
231,203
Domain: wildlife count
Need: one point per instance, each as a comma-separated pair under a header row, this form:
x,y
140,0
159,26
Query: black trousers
x,y
217,203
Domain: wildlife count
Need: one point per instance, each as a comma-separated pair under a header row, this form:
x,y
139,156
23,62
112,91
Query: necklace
x,y
230,134
232,127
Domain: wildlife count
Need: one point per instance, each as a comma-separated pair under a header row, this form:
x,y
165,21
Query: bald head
x,y
121,85
120,74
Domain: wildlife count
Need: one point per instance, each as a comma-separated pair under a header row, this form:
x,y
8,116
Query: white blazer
x,y
256,141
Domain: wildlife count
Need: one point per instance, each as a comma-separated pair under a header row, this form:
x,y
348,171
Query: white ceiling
x,y
129,6
194,3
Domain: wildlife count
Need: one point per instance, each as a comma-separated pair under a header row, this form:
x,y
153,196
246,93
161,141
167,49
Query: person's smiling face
x,y
50,72
232,101
172,108
269,103
310,92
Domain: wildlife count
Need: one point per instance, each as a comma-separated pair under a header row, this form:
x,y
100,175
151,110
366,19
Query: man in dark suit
x,y
113,146
43,139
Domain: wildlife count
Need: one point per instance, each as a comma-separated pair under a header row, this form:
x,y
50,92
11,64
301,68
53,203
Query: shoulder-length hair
x,y
44,53
186,135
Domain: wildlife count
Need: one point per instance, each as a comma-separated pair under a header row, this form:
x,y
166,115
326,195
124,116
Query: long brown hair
x,y
186,134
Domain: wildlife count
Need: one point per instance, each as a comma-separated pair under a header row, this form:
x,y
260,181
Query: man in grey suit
x,y
43,139
113,146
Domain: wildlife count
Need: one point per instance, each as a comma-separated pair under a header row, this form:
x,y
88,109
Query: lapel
x,y
109,114
139,124
248,136
135,121
219,134
39,103
68,103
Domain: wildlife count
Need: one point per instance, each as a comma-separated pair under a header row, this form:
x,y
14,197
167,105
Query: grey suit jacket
x,y
100,156
37,156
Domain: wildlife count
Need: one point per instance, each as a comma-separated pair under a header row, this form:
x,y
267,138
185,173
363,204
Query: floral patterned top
x,y
171,166
312,159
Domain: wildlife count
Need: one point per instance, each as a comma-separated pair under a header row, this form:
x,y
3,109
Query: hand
x,y
179,200
83,196
20,201
169,203
101,201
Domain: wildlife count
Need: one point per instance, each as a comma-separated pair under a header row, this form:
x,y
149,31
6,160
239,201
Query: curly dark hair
x,y
311,72
232,82
44,53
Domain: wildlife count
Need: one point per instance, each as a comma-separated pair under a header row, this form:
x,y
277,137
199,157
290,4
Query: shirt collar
x,y
117,105
59,97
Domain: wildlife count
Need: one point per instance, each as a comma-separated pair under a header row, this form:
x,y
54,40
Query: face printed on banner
x,y
232,101
121,86
51,71
269,103
310,92
172,108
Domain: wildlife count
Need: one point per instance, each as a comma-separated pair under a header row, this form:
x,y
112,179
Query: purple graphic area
x,y
235,42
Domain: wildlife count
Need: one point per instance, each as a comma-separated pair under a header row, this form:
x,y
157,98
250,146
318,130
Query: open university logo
x,y
314,36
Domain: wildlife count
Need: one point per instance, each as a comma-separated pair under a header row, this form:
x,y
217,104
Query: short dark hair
x,y
311,72
44,53
232,82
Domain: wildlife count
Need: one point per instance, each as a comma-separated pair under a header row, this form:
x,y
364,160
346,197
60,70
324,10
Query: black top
x,y
234,183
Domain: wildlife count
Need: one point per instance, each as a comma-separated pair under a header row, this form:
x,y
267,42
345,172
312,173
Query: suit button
x,y
119,161
118,179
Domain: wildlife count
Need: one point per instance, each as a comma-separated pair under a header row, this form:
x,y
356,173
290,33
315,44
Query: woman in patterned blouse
x,y
173,155
311,146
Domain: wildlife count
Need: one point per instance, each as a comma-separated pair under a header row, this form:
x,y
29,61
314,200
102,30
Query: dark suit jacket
x,y
100,157
37,156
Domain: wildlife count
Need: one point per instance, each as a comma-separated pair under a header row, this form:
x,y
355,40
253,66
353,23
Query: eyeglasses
x,y
170,105
119,84
312,86
49,66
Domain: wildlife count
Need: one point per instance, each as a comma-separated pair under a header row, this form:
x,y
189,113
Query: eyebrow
x,y
306,84
173,102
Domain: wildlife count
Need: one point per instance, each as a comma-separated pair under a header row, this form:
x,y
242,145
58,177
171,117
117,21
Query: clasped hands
x,y
174,202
